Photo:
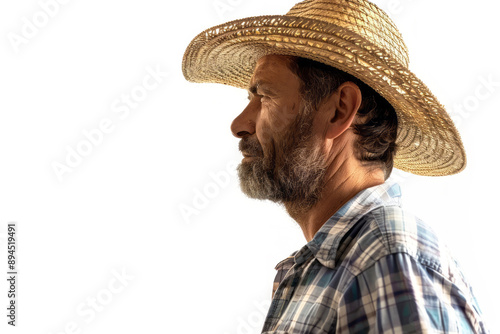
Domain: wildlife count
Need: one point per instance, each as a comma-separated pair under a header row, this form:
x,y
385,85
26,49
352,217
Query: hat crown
x,y
360,17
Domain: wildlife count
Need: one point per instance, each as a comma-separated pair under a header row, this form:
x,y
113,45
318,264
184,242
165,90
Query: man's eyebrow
x,y
262,86
252,89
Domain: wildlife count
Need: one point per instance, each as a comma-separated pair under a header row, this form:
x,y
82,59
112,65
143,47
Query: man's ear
x,y
343,106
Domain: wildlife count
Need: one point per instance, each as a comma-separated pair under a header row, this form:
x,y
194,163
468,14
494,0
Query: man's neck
x,y
345,178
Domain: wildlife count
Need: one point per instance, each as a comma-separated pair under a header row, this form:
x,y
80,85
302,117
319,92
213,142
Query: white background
x,y
120,208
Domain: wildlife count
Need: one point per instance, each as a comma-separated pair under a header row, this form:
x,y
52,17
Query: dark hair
x,y
377,128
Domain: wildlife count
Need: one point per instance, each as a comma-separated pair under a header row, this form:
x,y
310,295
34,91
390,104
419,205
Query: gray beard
x,y
292,173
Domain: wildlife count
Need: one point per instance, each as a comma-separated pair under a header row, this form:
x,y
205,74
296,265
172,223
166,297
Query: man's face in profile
x,y
282,156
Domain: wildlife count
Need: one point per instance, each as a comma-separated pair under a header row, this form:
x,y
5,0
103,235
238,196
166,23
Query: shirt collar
x,y
324,246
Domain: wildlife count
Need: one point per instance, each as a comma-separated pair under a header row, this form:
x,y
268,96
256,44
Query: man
x,y
332,108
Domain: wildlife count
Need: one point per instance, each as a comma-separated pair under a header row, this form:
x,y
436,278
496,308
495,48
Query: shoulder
x,y
402,232
391,230
400,258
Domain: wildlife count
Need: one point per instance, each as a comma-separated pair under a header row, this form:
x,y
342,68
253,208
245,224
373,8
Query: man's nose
x,y
244,124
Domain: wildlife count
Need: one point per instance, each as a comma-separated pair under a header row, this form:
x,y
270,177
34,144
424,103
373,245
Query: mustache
x,y
251,146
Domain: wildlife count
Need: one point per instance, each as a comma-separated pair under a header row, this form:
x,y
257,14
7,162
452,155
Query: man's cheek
x,y
280,123
281,118
265,135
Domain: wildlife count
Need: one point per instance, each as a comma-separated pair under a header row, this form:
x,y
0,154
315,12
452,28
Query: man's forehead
x,y
271,62
269,68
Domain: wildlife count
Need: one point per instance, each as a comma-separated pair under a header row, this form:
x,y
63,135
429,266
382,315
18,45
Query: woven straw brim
x,y
427,142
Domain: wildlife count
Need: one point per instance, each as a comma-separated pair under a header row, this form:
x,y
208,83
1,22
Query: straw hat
x,y
354,36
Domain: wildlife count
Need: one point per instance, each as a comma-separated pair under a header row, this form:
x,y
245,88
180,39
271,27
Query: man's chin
x,y
254,182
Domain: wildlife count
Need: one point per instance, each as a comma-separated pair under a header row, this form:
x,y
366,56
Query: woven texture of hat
x,y
354,36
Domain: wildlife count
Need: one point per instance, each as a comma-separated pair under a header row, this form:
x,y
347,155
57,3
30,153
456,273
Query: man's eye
x,y
251,97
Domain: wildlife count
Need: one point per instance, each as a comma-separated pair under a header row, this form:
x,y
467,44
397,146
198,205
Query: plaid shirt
x,y
372,268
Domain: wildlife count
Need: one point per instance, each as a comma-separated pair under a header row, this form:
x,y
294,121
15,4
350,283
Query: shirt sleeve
x,y
397,294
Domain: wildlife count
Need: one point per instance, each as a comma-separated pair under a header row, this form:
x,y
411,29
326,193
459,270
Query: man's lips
x,y
250,148
249,155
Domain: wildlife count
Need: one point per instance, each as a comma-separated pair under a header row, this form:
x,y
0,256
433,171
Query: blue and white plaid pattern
x,y
372,268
